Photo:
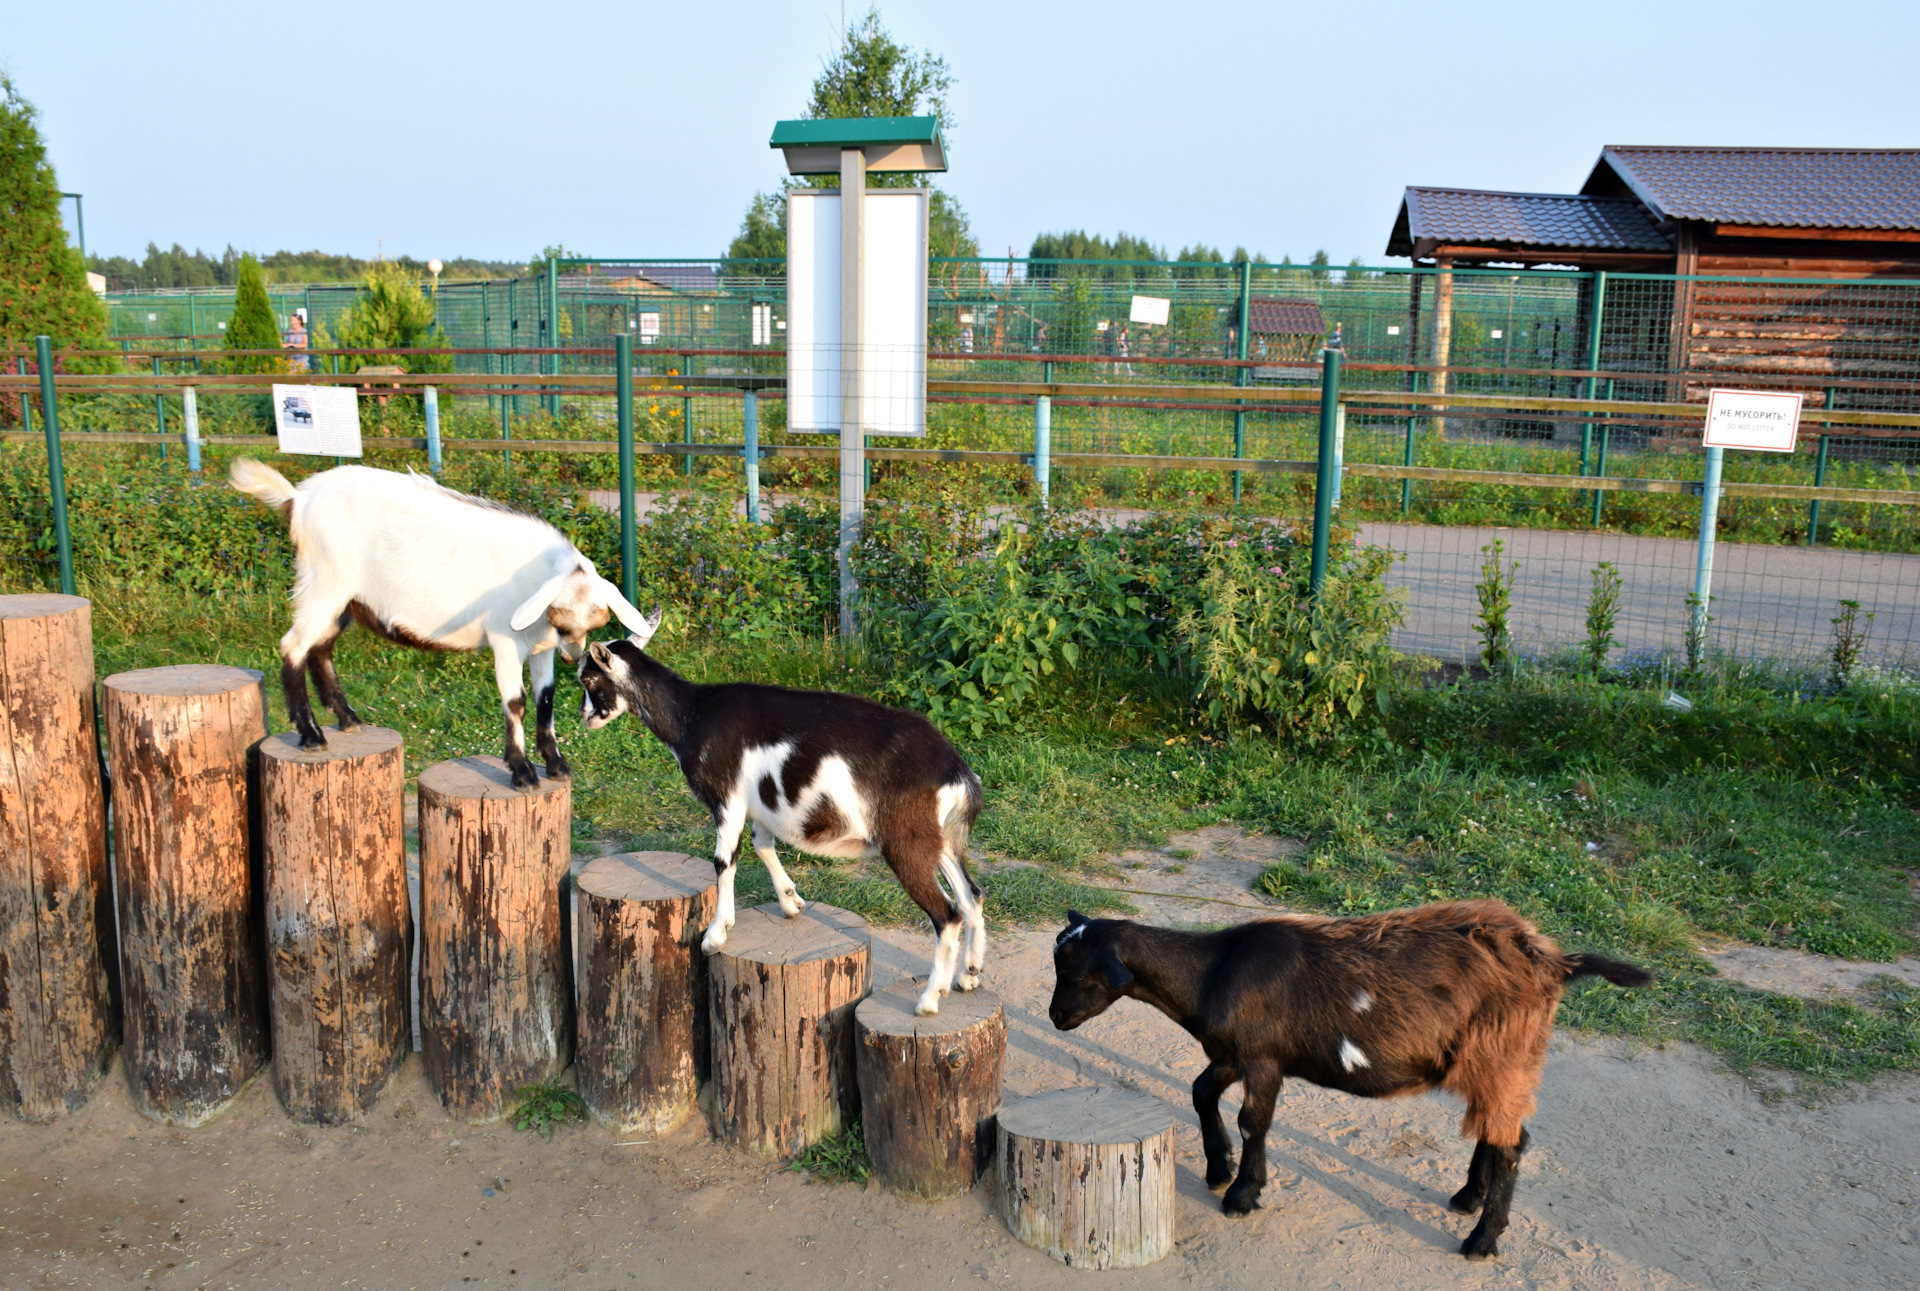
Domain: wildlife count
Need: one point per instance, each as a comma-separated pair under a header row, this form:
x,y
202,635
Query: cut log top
x,y
184,679
1087,1114
766,936
479,777
646,876
889,1011
342,746
40,605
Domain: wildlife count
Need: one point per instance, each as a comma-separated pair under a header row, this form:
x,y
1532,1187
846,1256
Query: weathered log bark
x,y
339,935
1086,1175
782,994
496,1004
59,1002
179,742
642,1007
929,1087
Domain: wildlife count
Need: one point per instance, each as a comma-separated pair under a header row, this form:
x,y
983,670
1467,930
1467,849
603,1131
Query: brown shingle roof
x,y
1821,188
1280,316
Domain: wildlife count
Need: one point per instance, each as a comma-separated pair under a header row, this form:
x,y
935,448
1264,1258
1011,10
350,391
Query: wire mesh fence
x,y
1546,408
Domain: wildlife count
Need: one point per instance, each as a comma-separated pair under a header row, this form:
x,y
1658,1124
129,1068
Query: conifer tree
x,y
253,326
43,282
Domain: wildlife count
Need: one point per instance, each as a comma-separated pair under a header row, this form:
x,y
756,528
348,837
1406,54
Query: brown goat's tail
x,y
1614,970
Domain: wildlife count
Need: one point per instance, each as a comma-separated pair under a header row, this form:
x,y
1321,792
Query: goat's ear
x,y
1075,919
536,605
601,656
649,624
1118,974
631,619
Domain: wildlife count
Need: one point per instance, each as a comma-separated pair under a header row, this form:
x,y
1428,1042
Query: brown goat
x,y
1459,996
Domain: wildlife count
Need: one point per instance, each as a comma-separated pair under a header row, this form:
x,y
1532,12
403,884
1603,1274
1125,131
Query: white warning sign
x,y
1764,421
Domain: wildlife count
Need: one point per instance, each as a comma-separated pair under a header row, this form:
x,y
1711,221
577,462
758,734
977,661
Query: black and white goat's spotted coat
x,y
829,774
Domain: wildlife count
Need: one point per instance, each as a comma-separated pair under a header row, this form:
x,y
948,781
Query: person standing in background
x,y
295,338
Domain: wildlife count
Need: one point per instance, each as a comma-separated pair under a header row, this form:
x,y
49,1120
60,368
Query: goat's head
x,y
606,675
1087,972
575,600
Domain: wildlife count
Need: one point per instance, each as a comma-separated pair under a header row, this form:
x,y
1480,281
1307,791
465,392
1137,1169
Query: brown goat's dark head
x,y
1087,972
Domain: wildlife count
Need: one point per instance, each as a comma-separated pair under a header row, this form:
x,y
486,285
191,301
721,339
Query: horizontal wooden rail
x,y
990,457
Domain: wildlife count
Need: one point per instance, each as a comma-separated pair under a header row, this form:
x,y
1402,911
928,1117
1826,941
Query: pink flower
x,y
1233,542
1274,570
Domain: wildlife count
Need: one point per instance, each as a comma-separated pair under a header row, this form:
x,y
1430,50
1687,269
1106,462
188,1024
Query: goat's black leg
x,y
1207,1089
1256,1117
542,669
1467,1201
1503,1166
518,764
320,664
293,684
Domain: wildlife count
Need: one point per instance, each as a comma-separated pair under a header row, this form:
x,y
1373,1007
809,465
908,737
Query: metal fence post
x,y
160,410
1325,476
1819,479
56,476
550,363
430,404
1243,375
26,404
1703,563
1406,485
623,409
1593,363
1600,463
686,416
750,426
1043,447
190,414
1339,452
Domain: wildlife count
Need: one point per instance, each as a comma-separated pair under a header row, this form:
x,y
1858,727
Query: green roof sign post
x,y
851,148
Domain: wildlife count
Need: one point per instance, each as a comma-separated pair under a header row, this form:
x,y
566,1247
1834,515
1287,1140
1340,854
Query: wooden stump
x,y
179,742
782,995
1086,1175
59,1010
339,935
929,1087
642,1007
496,1004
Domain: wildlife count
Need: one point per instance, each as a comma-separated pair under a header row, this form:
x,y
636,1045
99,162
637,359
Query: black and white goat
x,y
428,567
1457,996
829,774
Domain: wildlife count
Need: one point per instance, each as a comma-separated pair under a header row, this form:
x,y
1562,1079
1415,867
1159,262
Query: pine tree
x,y
253,326
43,282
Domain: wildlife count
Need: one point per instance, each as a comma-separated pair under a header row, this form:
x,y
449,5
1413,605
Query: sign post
x,y
1762,421
852,148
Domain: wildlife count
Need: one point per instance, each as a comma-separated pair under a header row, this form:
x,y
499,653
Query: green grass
x,y
1772,813
842,1159
547,1106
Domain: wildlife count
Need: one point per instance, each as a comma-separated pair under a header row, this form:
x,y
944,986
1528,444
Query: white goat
x,y
428,567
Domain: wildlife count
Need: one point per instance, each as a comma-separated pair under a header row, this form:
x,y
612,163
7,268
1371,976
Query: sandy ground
x,y
1650,1169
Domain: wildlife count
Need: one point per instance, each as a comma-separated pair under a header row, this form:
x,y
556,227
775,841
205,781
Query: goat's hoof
x,y
710,944
348,721
1220,1176
557,769
1480,1244
312,740
967,982
1241,1199
1465,1202
793,905
524,776
929,1006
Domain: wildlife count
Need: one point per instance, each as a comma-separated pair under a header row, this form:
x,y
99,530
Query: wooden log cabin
x,y
1800,264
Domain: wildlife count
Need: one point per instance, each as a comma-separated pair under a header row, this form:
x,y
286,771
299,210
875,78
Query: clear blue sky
x,y
492,129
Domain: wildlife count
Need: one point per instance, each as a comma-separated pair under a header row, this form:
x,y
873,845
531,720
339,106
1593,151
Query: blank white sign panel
x,y
894,312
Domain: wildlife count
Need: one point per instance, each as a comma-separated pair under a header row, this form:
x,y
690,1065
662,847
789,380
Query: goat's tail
x,y
261,481
1614,970
961,808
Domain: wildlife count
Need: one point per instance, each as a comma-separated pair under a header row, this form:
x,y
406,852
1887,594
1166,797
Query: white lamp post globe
x,y
434,267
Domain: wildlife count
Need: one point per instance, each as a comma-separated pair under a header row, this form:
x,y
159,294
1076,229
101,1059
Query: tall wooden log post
x,y
59,1007
496,1004
1086,1175
929,1087
339,934
179,741
782,995
642,1006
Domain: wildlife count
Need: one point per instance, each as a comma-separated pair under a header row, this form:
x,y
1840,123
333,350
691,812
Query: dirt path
x,y
1651,1169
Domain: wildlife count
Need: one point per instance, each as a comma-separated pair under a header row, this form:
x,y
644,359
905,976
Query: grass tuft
x,y
547,1106
842,1159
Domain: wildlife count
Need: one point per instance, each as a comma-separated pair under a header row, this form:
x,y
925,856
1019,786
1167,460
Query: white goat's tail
x,y
261,481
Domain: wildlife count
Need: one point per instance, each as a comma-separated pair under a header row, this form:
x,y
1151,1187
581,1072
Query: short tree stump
x,y
641,1013
179,742
339,932
1086,1175
782,994
59,1009
496,1005
929,1087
